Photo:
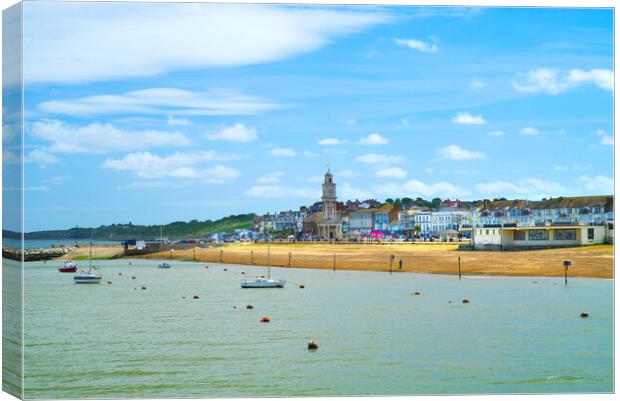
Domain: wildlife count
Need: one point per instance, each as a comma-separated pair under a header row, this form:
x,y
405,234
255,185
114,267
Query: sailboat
x,y
89,277
264,282
162,265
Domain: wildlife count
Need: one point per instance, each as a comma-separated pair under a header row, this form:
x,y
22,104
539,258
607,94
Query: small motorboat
x,y
263,283
68,267
164,265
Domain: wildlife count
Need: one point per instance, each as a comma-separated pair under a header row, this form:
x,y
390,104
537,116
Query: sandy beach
x,y
594,261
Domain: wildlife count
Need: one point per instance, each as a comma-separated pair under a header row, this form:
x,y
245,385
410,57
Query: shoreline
x,y
589,262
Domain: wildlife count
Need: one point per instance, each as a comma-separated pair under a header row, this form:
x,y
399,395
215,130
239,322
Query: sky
x,y
153,113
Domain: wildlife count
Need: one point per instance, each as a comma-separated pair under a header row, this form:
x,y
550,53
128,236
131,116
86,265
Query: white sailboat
x,y
264,282
162,265
90,277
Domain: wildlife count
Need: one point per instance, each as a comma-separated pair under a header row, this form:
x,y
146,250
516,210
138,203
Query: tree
x,y
436,202
406,201
390,201
417,229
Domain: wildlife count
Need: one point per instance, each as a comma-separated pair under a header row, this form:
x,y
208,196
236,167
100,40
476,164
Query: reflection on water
x,y
375,337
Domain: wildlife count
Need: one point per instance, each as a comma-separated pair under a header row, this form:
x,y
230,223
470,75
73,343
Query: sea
x,y
375,336
35,243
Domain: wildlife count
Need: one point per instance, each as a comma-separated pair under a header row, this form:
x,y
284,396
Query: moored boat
x,y
68,267
164,265
90,277
263,283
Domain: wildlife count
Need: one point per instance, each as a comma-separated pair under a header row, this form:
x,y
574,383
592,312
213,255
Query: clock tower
x,y
330,227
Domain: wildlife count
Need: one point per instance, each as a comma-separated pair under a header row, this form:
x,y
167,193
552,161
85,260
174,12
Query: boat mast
x,y
268,257
161,237
90,253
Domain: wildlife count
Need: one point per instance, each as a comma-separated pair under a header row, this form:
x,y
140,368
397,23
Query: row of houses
x,y
562,221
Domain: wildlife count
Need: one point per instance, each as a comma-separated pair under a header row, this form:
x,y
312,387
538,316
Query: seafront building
x,y
563,221
499,224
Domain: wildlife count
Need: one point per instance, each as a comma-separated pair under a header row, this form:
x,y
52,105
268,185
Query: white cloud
x,y
286,152
57,179
235,133
348,192
346,174
179,165
601,184
530,131
218,174
496,133
468,119
574,167
417,45
373,139
40,156
477,84
606,139
554,81
279,191
418,188
521,188
330,141
374,158
101,138
455,152
350,121
163,101
85,42
271,178
172,121
392,172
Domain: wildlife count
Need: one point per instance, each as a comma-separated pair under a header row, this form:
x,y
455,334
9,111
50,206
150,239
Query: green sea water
x,y
517,335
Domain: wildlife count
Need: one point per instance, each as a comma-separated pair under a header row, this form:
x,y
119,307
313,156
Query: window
x,y
487,231
560,235
538,235
518,235
590,233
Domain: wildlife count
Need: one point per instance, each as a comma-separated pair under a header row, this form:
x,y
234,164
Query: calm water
x,y
375,337
47,243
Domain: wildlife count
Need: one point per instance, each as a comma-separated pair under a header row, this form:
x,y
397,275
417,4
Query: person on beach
x,y
400,264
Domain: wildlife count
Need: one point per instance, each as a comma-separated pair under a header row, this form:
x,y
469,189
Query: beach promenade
x,y
590,261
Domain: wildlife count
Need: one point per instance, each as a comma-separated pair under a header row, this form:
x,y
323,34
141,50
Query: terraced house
x,y
556,222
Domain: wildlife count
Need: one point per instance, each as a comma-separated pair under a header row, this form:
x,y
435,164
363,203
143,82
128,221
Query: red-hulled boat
x,y
68,267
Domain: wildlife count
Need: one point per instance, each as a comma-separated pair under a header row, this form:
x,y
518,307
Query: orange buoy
x,y
417,293
250,306
265,319
584,315
313,345
466,301
144,287
196,297
242,272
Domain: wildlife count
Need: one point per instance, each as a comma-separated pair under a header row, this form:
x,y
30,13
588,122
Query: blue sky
x,y
152,113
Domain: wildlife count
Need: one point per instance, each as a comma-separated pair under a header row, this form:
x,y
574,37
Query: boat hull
x,y
86,280
67,269
263,284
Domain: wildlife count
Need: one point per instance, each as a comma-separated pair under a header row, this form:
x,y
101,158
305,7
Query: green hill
x,y
176,230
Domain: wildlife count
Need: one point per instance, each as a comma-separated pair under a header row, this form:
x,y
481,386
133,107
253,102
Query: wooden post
x,y
391,262
194,251
289,258
170,253
251,257
459,267
221,255
567,263
334,261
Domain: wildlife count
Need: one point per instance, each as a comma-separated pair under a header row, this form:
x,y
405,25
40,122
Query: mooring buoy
x,y
196,297
313,345
265,319
584,315
250,306
466,301
144,287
